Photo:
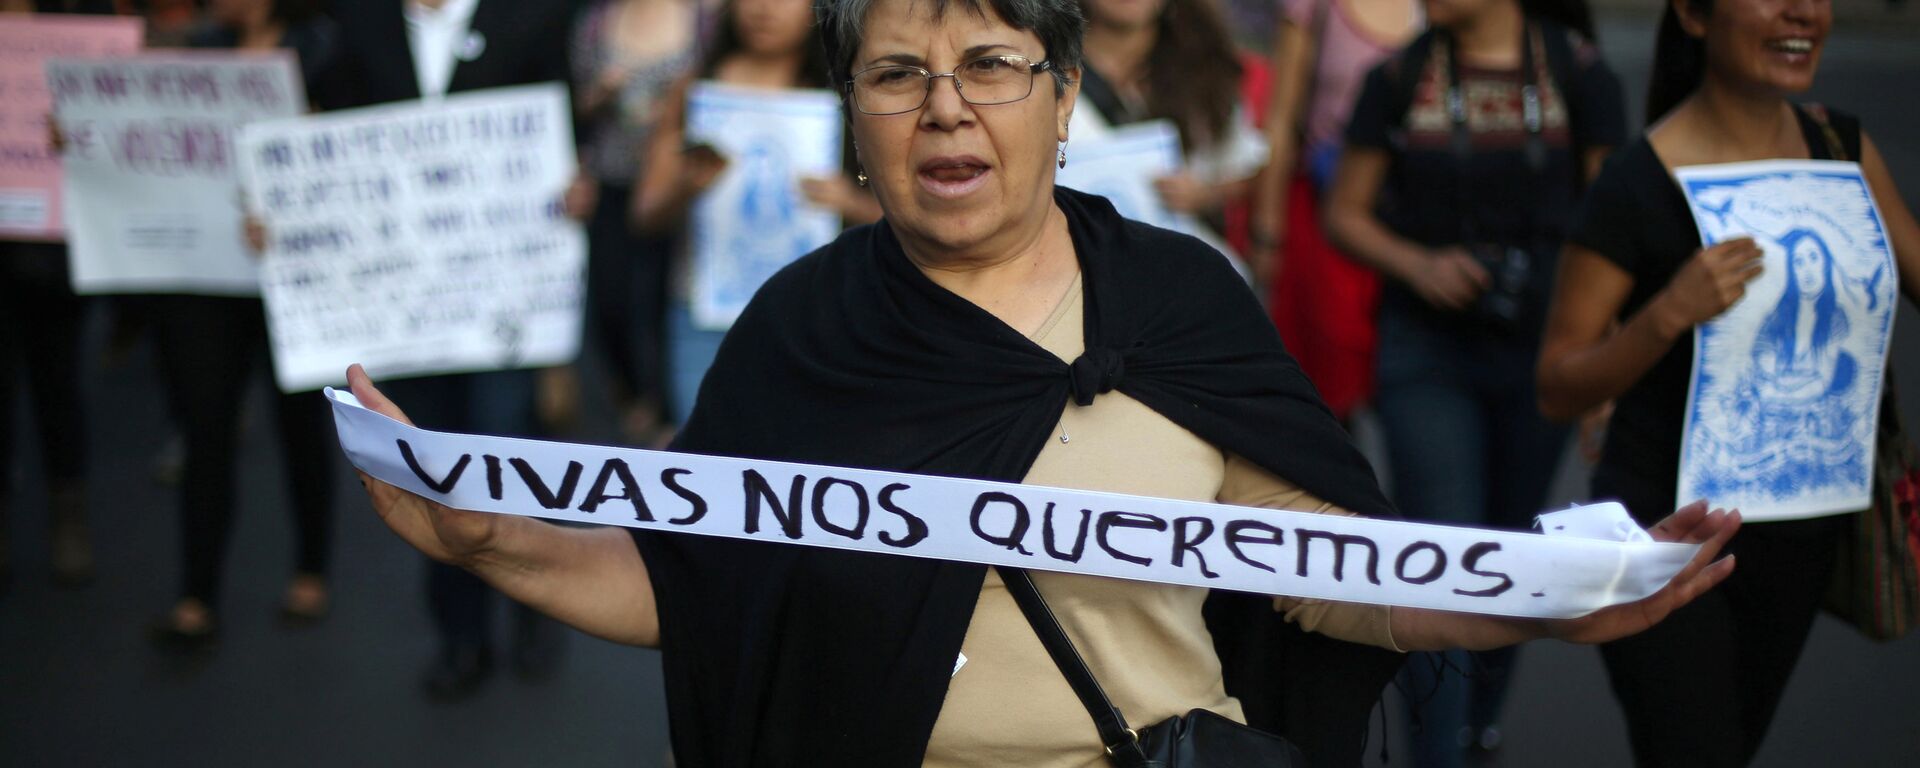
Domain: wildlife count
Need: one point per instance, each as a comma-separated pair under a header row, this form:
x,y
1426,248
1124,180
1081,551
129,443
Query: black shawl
x,y
785,655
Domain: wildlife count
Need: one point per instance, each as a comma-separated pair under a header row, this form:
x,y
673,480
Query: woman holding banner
x,y
992,327
1634,283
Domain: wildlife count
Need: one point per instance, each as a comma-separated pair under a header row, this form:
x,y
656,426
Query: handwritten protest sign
x,y
152,198
419,238
1784,404
754,220
1585,559
29,171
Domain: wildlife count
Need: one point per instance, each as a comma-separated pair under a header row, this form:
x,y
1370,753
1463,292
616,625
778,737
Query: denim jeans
x,y
690,352
1467,445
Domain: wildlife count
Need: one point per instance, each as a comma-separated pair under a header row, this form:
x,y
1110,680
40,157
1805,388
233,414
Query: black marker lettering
x,y
1079,537
541,493
916,528
1472,559
629,489
1111,520
495,487
1433,573
789,514
669,478
1235,537
1182,544
1013,537
820,490
442,485
1341,541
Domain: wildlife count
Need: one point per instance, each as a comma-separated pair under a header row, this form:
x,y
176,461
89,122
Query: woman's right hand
x,y
452,536
700,166
1449,278
1710,282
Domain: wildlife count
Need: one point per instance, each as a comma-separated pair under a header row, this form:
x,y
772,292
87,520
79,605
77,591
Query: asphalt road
x,y
80,687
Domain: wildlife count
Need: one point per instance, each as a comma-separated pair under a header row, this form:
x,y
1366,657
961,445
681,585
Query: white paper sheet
x,y
1785,396
754,219
419,238
152,198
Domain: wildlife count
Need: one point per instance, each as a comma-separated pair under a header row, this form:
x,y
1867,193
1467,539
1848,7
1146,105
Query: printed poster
x,y
1785,398
29,169
419,238
754,219
152,197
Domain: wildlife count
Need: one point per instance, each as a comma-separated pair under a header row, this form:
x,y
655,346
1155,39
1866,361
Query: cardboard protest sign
x,y
152,197
29,169
754,219
1784,404
419,238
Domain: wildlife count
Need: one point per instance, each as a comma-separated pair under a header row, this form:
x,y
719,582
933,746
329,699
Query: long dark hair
x,y
726,42
1679,63
1193,76
1572,14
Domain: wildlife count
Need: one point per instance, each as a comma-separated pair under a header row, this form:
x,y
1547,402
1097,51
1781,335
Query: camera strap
x,y
1533,117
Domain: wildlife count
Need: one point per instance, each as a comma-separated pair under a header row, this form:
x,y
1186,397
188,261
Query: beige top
x,y
1147,643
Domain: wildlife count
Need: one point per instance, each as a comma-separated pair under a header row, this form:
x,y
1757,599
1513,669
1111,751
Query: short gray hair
x,y
1058,23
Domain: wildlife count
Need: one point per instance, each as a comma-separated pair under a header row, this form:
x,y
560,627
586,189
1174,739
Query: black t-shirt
x,y
1636,217
1430,198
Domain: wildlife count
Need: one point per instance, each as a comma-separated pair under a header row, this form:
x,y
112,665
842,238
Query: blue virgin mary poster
x,y
1785,397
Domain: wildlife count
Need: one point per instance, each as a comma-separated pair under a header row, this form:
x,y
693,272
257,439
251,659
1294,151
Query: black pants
x,y
40,342
210,348
1699,689
626,298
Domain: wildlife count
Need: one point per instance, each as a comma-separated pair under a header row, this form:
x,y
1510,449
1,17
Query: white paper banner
x,y
419,238
1785,397
152,199
1560,574
754,219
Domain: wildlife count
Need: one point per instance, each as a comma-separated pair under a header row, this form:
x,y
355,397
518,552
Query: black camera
x,y
1506,304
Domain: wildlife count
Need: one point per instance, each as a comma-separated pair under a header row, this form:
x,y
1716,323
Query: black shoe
x,y
538,645
457,674
168,636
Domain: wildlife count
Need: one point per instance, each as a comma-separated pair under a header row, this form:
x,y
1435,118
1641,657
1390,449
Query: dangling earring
x,y
861,177
1063,154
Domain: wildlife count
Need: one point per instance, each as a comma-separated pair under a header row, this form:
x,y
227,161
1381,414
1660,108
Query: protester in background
x,y
1322,302
626,54
40,320
1173,60
1466,154
396,51
769,44
209,347
1634,282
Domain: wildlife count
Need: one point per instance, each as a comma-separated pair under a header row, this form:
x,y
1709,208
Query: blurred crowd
x,y
1398,199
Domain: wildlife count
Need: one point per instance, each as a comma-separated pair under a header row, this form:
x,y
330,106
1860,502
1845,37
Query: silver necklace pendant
x,y
1063,434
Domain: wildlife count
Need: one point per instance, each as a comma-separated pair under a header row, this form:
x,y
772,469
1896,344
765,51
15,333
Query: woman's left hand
x,y
582,194
1692,524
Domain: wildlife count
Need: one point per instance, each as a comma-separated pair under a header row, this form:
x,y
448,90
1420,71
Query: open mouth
x,y
953,176
1799,46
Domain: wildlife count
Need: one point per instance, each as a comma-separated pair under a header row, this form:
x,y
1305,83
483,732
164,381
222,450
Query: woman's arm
x,y
1585,360
590,578
674,174
1447,278
1417,629
1903,233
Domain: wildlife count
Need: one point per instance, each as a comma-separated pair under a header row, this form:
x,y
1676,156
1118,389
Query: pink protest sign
x,y
29,171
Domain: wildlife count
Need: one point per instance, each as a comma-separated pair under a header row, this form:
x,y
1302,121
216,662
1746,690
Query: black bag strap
x,y
1122,743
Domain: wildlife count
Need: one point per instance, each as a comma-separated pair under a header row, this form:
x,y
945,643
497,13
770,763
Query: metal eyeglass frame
x,y
1033,72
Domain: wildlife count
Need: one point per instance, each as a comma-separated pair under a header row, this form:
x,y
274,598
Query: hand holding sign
x,y
452,536
1710,282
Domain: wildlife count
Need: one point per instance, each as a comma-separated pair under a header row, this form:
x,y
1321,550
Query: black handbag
x,y
1197,739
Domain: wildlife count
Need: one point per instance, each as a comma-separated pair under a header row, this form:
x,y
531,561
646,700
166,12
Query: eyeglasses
x,y
891,89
